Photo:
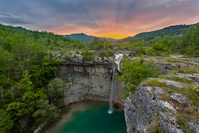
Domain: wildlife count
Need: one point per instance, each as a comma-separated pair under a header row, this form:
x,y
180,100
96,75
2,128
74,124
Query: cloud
x,y
183,0
13,20
98,17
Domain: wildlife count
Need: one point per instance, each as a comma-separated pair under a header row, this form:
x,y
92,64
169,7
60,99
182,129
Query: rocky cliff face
x,y
165,105
89,81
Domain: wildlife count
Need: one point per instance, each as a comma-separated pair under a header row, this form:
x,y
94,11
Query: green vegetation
x,y
134,73
29,92
99,44
171,31
83,38
88,56
176,39
103,54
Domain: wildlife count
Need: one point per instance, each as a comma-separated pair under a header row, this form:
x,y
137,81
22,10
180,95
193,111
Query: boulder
x,y
178,97
194,127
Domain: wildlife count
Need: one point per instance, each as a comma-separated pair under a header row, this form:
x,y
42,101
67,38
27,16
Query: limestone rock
x,y
194,127
158,91
77,58
38,128
172,119
169,128
98,59
178,97
187,75
141,109
165,105
56,54
105,59
110,60
171,83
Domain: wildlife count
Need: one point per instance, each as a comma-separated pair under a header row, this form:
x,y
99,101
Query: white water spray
x,y
117,61
110,111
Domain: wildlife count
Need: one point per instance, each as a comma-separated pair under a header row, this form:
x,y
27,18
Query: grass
x,y
155,127
153,83
176,78
165,98
183,118
189,70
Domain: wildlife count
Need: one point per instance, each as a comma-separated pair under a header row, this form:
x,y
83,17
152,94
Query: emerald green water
x,y
94,119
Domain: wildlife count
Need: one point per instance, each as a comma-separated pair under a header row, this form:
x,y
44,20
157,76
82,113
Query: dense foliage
x,y
30,96
134,73
171,31
187,44
99,44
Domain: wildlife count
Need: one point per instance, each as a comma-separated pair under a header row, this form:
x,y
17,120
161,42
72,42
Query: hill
x,y
171,30
86,39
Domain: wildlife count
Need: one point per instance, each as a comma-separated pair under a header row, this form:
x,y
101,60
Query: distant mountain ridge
x,y
86,39
171,30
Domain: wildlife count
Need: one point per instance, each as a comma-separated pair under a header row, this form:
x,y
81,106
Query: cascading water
x,y
110,111
116,65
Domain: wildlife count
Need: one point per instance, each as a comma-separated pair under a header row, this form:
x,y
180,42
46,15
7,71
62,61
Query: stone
x,y
77,58
171,83
105,59
37,130
158,91
165,105
194,127
172,119
56,54
110,60
178,97
64,55
98,59
187,75
169,128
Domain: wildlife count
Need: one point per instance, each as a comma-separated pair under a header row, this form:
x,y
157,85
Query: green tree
x,y
46,113
6,123
134,73
87,56
56,90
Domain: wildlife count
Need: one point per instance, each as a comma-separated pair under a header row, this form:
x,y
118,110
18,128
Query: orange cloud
x,y
115,18
183,0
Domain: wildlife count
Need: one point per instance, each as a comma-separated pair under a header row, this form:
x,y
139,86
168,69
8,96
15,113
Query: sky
x,y
103,18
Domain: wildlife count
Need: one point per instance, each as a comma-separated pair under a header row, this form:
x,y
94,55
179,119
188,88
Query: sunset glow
x,y
103,18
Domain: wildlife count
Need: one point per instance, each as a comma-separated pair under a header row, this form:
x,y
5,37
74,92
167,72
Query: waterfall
x,y
116,65
110,111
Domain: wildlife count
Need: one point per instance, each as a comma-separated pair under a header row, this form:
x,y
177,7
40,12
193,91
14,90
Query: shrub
x,y
134,73
88,56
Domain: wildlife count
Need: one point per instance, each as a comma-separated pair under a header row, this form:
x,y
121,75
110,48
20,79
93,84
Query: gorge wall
x,y
89,81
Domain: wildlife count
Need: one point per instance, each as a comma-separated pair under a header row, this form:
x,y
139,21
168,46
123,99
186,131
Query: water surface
x,y
92,118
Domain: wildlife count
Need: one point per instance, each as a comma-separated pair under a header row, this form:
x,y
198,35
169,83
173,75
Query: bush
x,y
158,49
102,54
88,56
134,73
67,57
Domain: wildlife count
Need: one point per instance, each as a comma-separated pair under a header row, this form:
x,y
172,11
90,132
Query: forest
x,y
29,91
